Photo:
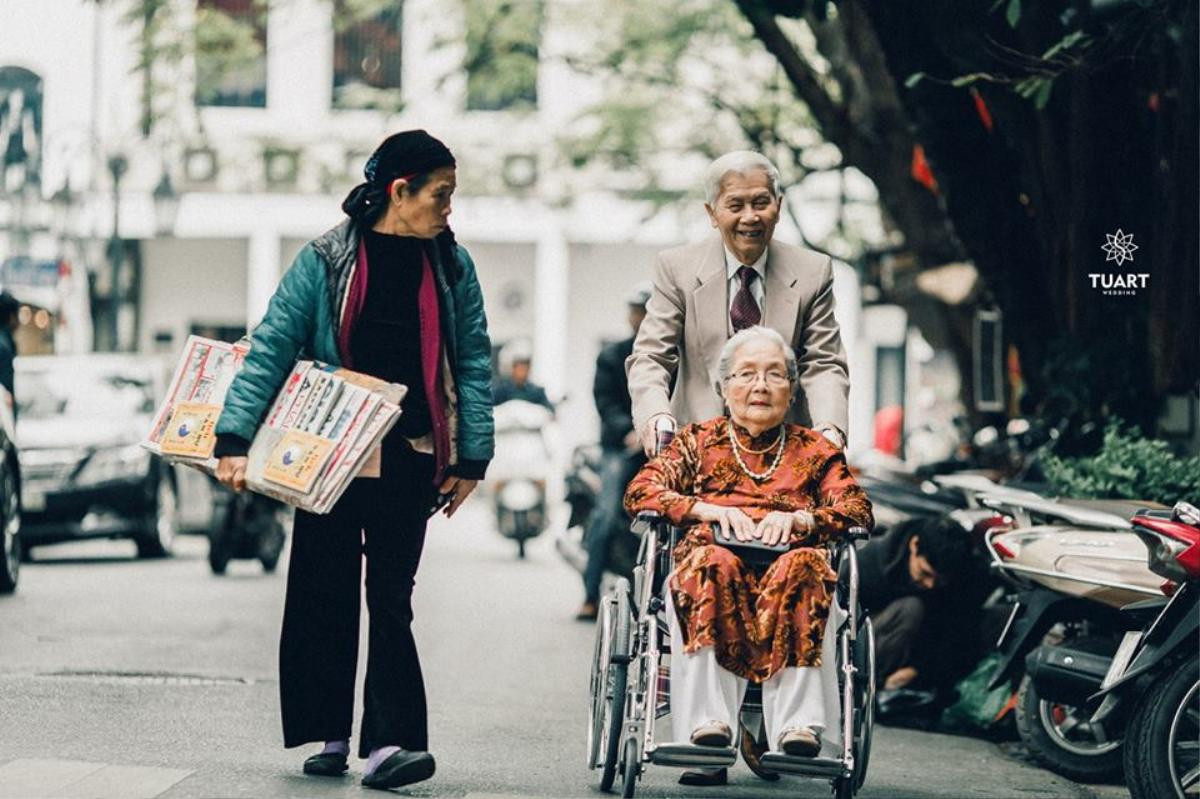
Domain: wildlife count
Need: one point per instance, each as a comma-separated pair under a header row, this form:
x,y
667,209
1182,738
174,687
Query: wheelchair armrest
x,y
646,519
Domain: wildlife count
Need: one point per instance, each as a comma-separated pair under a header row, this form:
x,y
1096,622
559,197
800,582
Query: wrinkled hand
x,y
231,472
650,435
462,489
632,442
776,527
781,526
733,521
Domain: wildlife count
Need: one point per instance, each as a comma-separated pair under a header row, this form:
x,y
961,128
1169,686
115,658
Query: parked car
x,y
83,475
10,503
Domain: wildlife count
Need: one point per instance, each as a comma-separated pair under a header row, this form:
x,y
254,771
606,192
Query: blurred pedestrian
x,y
418,320
516,361
621,452
707,291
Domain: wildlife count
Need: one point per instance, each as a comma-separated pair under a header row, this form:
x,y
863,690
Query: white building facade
x,y
256,178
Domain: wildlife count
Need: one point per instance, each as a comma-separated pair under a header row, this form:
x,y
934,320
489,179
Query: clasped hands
x,y
776,527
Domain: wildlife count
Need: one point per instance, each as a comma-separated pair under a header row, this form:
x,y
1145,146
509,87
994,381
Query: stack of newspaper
x,y
322,430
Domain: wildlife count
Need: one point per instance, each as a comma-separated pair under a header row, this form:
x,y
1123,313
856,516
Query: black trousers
x,y
318,652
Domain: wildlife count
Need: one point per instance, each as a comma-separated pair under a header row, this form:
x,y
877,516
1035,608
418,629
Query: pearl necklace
x,y
738,455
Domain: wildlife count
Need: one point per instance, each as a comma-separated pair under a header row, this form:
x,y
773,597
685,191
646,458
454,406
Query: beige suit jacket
x,y
687,324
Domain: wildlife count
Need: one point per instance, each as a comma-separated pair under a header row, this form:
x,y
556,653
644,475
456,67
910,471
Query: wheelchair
x,y
630,677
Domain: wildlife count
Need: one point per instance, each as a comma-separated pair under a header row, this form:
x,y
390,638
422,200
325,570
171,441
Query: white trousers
x,y
703,691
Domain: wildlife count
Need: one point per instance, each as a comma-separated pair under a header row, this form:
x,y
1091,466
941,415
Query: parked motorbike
x,y
1152,685
931,489
1072,565
582,484
520,469
246,526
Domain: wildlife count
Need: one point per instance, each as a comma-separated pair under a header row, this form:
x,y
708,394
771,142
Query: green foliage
x,y
502,53
683,79
1127,466
1013,14
347,13
226,49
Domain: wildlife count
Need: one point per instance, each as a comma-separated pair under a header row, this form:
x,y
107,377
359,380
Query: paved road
x,y
129,679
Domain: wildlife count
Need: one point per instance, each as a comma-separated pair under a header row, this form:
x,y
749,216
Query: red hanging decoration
x,y
985,116
920,169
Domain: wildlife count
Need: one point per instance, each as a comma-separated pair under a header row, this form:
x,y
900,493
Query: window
x,y
366,54
231,53
20,129
502,53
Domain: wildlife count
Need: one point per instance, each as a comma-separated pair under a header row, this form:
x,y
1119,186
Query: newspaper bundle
x,y
322,430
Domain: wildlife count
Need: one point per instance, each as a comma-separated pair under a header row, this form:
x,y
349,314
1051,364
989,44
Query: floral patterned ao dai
x,y
756,623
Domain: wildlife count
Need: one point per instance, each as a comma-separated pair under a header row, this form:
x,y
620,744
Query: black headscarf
x,y
409,154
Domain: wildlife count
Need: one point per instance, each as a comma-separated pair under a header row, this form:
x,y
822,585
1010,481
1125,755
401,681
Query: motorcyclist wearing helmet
x,y
516,358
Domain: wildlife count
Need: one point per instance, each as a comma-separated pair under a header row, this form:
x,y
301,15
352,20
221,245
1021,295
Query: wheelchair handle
x,y
858,534
664,433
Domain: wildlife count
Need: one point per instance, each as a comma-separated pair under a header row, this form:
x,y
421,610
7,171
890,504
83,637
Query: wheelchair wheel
x,y
864,712
598,683
630,766
612,708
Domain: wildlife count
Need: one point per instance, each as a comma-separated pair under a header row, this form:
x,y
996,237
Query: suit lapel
x,y
712,298
783,296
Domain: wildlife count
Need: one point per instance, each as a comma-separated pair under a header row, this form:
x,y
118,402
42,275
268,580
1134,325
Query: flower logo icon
x,y
1119,246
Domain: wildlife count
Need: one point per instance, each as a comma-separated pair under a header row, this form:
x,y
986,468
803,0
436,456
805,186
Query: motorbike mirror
x,y
1187,513
985,436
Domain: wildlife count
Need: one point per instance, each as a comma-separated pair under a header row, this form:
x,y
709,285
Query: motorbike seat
x,y
1125,508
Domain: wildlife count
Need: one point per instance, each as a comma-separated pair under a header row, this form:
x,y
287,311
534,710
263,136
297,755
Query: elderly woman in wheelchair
x,y
738,485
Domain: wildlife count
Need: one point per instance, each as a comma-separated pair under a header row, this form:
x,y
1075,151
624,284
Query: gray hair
x,y
745,336
740,162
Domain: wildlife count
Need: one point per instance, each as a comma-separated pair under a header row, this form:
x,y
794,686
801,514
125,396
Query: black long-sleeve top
x,y
611,390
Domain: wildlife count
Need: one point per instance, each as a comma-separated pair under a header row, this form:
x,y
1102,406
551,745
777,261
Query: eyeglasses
x,y
747,377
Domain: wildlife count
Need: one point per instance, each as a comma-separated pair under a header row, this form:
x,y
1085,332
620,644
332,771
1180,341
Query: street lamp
x,y
166,205
117,166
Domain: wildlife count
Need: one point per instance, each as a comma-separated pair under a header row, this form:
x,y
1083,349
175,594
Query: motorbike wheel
x,y
157,536
218,551
10,569
271,547
1062,739
1161,758
221,538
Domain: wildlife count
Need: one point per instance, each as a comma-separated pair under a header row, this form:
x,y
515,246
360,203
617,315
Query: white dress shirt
x,y
757,288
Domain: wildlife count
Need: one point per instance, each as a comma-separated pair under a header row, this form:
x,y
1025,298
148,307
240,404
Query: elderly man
x,y
707,291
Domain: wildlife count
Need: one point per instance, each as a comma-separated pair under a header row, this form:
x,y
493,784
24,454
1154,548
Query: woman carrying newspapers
x,y
389,293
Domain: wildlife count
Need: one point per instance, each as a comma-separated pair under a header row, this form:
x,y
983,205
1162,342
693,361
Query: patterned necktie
x,y
744,311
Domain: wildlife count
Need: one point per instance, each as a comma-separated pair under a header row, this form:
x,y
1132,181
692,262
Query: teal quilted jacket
x,y
302,321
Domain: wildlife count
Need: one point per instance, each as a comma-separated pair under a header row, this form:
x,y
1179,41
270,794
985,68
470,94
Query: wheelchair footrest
x,y
688,755
805,766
